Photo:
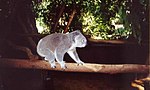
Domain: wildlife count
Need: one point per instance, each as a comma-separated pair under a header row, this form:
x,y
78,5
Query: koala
x,y
55,46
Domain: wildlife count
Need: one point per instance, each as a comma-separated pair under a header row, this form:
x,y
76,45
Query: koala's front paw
x,y
62,65
53,65
80,63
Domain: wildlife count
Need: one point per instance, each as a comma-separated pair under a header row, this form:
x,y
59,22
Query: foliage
x,y
98,18
42,13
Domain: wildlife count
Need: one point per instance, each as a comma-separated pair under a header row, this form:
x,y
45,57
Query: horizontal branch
x,y
73,67
112,41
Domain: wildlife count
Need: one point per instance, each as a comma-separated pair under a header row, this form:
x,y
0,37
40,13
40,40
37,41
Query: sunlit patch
x,y
139,84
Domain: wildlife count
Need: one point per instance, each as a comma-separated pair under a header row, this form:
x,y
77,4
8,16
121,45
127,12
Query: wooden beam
x,y
112,41
73,67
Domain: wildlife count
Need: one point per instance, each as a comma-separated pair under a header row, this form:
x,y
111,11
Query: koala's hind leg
x,y
51,59
59,55
74,55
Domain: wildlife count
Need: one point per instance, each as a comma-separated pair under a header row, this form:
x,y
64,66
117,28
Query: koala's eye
x,y
83,41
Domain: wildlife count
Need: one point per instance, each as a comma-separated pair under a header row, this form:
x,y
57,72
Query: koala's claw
x,y
53,65
63,65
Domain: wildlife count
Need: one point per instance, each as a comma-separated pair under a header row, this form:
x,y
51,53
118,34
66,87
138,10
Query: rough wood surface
x,y
73,67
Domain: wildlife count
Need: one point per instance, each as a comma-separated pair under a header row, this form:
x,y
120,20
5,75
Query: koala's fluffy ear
x,y
75,34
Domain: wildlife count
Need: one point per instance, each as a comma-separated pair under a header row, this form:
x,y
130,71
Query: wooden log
x,y
73,67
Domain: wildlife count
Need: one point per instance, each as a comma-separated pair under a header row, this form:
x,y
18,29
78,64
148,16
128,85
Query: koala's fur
x,y
54,46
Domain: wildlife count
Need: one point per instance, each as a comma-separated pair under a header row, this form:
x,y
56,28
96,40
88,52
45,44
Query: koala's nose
x,y
86,42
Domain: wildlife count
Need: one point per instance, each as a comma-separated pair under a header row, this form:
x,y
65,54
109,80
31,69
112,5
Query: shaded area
x,y
32,80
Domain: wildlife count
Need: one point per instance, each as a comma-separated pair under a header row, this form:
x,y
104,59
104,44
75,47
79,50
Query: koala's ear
x,y
75,34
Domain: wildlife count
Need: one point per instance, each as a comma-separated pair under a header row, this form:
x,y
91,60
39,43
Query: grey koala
x,y
55,46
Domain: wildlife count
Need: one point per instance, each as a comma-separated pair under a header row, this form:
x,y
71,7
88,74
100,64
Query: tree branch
x,y
70,20
58,17
23,49
73,67
140,83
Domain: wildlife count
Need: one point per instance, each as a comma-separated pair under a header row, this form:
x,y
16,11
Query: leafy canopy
x,y
100,19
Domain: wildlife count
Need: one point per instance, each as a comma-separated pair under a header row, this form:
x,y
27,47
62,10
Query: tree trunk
x,y
17,17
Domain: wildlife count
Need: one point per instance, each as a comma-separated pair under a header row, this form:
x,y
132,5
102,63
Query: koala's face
x,y
80,41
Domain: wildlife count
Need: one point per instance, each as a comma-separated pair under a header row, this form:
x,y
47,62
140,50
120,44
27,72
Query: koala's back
x,y
50,42
53,40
